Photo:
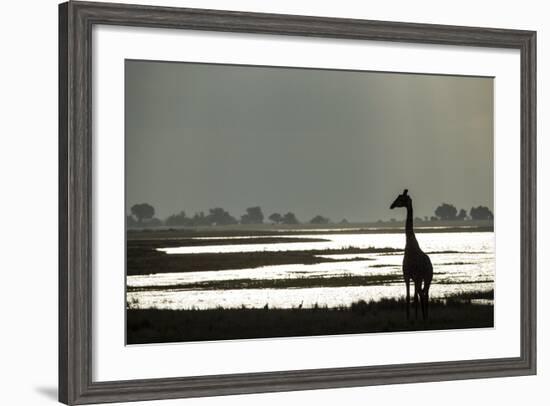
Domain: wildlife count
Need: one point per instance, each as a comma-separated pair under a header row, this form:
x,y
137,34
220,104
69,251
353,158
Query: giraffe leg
x,y
408,303
416,301
425,298
422,301
424,306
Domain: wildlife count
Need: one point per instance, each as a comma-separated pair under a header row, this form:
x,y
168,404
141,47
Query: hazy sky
x,y
337,143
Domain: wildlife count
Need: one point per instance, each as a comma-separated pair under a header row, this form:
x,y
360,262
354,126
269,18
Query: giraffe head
x,y
403,200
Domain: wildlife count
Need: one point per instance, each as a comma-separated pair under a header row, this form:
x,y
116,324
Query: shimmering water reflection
x,y
463,262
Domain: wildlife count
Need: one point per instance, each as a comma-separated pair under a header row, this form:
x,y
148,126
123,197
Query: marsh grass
x,y
388,315
285,283
142,258
329,281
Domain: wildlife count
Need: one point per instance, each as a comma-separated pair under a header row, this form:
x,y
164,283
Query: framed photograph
x,y
258,202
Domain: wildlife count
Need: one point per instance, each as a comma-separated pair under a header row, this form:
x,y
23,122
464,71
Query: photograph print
x,y
267,202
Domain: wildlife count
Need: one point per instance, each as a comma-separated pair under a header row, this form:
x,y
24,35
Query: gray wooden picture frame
x,y
76,20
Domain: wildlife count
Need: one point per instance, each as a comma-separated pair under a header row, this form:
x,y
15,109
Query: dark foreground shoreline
x,y
163,326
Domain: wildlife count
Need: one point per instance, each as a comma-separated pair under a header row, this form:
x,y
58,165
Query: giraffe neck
x,y
409,231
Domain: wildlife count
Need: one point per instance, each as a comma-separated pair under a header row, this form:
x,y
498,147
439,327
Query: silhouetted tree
x,y
290,218
253,215
433,218
481,213
344,221
276,218
219,216
446,212
143,211
199,219
179,219
462,215
319,220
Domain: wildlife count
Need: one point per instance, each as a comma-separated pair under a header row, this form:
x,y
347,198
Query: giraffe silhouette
x,y
416,264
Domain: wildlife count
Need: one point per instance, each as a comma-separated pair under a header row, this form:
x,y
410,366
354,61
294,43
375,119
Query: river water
x,y
462,261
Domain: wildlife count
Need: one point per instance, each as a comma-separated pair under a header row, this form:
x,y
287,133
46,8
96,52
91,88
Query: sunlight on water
x,y
463,262
463,242
282,298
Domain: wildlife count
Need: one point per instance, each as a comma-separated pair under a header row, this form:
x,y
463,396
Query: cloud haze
x,y
337,143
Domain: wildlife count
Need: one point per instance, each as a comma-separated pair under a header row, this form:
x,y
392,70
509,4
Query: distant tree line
x,y
143,214
447,211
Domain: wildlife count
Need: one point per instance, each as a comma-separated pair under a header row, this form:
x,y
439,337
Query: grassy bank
x,y
283,283
292,283
158,326
143,259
